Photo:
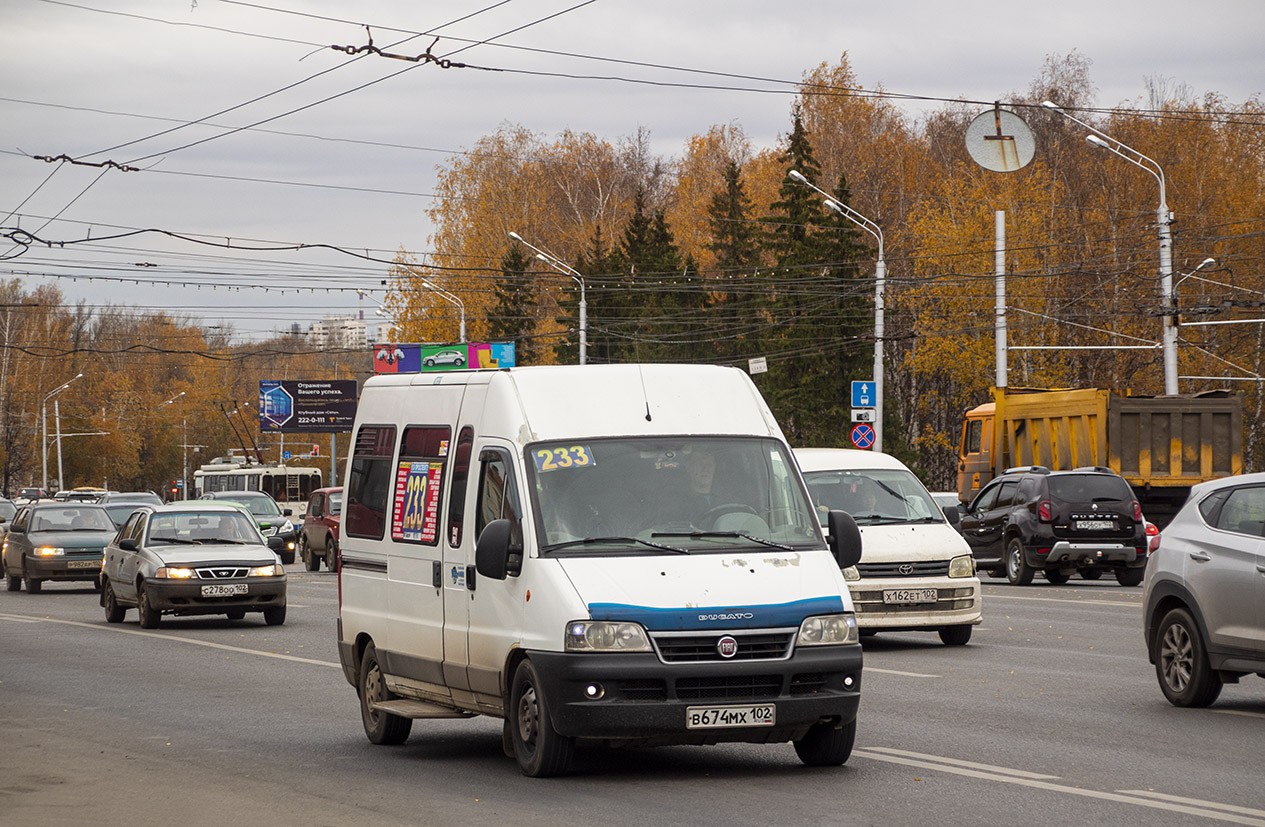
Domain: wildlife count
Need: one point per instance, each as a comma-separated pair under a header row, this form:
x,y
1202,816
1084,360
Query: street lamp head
x,y
1052,105
831,204
795,175
543,258
1098,142
1208,262
516,236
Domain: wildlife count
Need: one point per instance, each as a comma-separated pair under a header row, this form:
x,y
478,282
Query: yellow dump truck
x,y
1162,445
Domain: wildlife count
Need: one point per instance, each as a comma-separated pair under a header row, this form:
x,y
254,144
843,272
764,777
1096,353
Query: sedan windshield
x,y
202,527
668,494
71,518
873,495
262,506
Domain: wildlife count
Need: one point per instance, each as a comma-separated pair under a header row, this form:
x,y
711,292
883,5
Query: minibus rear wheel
x,y
381,727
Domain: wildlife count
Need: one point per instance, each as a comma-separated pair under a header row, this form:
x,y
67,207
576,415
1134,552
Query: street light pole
x,y
562,267
880,282
44,428
184,447
1164,217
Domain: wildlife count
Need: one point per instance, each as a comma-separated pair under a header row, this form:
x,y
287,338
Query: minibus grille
x,y
729,688
922,568
696,648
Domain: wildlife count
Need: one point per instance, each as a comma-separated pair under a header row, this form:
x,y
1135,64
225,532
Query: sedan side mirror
x,y
128,544
844,538
286,512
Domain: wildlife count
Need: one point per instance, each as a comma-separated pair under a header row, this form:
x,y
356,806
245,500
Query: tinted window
x,y
1089,488
457,489
1243,512
369,482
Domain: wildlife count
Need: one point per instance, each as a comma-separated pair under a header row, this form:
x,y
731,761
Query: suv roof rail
x,y
1102,469
1027,469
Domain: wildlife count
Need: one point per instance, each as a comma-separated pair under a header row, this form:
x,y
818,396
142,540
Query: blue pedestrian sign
x,y
286,455
863,395
862,435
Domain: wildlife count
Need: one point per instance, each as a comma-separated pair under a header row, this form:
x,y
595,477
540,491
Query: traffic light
x,y
316,450
174,489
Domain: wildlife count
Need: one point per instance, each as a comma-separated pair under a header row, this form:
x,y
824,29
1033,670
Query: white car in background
x,y
916,572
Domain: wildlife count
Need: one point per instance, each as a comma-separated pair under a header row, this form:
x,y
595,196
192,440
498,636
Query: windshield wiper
x,y
219,541
877,518
728,534
598,540
172,540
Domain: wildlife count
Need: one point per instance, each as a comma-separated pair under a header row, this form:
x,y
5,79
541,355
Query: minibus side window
x,y
457,490
369,482
419,477
498,494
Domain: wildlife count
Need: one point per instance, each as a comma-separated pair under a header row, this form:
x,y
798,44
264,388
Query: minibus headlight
x,y
606,636
851,574
828,630
49,551
963,566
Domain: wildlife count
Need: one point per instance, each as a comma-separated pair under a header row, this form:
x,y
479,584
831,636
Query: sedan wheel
x,y
310,561
149,616
114,613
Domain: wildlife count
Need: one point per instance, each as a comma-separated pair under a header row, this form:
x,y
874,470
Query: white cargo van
x,y
917,573
622,553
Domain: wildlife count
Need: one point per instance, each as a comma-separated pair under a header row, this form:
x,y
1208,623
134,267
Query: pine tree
x,y
731,307
514,310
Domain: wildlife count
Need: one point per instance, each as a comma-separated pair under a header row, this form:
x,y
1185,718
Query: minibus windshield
x,y
693,494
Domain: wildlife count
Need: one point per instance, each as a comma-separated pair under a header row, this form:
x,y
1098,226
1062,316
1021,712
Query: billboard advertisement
x,y
297,406
409,358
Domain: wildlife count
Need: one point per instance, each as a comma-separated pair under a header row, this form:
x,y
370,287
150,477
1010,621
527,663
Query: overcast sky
x,y
357,171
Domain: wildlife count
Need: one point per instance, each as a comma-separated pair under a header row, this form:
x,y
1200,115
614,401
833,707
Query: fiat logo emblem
x,y
727,647
906,569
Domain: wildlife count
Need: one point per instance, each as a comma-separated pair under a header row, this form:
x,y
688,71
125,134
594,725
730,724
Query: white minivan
x,y
918,574
624,554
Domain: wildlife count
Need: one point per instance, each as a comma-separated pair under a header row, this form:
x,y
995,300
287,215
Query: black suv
x,y
1032,519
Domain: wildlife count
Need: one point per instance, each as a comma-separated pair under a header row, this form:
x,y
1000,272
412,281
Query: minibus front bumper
x,y
636,698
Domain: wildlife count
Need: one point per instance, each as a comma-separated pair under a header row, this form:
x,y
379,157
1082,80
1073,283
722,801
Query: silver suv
x,y
1203,589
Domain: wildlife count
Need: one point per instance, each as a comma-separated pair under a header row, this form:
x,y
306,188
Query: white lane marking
x,y
1239,712
19,619
177,639
934,762
992,596
957,763
898,672
1229,808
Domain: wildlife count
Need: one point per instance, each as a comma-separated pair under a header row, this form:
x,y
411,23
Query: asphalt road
x,y
1050,716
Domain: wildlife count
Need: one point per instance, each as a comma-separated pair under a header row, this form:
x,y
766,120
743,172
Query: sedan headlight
x,y
851,574
176,573
270,570
963,566
49,551
286,527
828,630
606,636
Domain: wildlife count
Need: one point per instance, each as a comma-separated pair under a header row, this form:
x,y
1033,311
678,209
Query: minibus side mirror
x,y
844,538
953,514
495,554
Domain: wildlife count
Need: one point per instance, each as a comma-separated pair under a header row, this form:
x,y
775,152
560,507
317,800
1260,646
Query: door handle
x,y
1200,556
1261,569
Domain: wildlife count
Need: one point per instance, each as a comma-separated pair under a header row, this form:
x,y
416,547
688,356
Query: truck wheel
x,y
1058,578
33,584
381,727
540,750
114,613
1130,577
1090,574
332,560
826,745
149,616
310,561
955,635
1186,677
1018,572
